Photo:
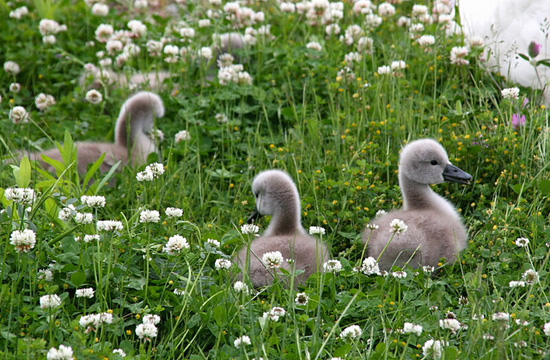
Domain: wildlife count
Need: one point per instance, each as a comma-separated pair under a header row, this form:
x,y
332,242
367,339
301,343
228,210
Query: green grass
x,y
339,137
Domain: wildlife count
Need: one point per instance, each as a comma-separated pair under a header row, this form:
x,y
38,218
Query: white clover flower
x,y
313,230
15,87
94,97
90,238
530,277
240,287
100,9
138,28
433,349
156,168
352,57
398,227
206,53
141,4
514,284
351,332
384,70
501,316
222,264
67,213
546,329
146,331
176,244
109,225
12,68
287,7
398,65
399,274
23,240
61,353
451,324
314,46
149,216
24,196
410,328
522,242
19,115
174,212
86,292
301,299
93,201
458,54
372,226
386,9
119,352
83,218
428,269
146,175
370,266
204,23
475,42
182,135
19,12
365,44
273,259
104,32
50,301
49,39
250,229
426,40
510,93
332,266
171,52
373,21
151,319
404,21
113,46
221,118
43,101
242,341
49,27
179,292
332,29
46,274
213,243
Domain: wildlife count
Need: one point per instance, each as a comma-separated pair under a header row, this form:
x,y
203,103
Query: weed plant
x,y
329,92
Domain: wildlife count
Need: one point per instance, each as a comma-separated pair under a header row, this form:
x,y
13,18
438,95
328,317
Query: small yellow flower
x,y
128,332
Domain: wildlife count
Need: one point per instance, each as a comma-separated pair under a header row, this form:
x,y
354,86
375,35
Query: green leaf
x,y
342,350
544,187
451,353
57,165
23,176
93,169
524,57
78,278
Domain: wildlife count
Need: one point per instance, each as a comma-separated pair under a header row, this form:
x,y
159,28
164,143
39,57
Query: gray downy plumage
x,y
132,142
435,229
277,195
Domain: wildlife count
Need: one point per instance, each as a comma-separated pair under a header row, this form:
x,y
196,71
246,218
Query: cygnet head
x,y
275,193
426,162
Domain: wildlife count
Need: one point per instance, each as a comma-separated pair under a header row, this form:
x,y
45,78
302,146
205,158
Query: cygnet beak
x,y
454,174
254,217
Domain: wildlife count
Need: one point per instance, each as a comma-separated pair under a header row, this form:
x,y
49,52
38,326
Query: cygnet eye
x,y
434,162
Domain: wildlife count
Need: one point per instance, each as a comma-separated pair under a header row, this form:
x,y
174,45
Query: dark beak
x,y
454,174
254,217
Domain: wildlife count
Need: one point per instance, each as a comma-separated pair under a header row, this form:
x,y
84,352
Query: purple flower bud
x,y
518,120
534,49
525,102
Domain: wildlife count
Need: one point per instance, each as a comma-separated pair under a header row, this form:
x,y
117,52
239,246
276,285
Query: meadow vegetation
x,y
330,93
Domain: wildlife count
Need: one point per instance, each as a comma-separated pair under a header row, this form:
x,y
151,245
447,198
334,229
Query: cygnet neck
x,y
286,220
418,196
